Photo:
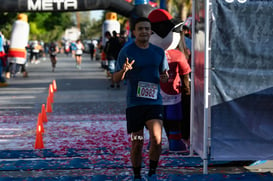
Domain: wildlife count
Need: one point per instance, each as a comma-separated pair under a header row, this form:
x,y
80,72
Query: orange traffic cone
x,y
40,123
54,85
48,105
51,93
43,112
39,144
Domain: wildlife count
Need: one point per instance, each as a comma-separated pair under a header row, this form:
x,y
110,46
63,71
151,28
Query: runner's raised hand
x,y
128,65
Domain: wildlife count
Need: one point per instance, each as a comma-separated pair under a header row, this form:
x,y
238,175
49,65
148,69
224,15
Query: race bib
x,y
147,90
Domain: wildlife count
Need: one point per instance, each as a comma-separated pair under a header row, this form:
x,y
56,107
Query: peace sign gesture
x,y
128,65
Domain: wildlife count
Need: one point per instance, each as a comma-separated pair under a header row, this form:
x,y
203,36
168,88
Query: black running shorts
x,y
137,116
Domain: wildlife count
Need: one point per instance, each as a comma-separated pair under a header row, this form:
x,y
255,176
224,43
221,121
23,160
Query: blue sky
x,y
97,14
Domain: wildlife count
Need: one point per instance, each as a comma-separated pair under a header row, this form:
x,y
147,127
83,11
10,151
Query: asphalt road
x,y
89,84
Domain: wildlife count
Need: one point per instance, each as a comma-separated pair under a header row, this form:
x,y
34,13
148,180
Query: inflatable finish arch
x,y
121,7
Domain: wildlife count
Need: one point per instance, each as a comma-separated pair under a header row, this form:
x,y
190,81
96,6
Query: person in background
x,y
178,84
3,60
185,92
73,48
35,52
46,48
96,49
91,50
42,50
112,48
107,52
78,53
174,98
144,66
122,38
187,38
66,47
53,51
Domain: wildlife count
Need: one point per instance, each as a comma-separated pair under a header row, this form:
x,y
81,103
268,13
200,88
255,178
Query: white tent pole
x,y
192,78
206,90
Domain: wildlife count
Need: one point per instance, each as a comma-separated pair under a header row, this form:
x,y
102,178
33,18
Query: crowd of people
x,y
36,51
18,52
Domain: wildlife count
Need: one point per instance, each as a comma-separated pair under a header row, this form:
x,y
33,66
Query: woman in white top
x,y
78,53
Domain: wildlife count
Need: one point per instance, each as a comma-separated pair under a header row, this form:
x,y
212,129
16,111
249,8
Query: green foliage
x,y
6,21
50,26
92,31
43,26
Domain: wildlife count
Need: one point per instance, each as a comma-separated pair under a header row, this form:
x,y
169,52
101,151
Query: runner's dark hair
x,y
140,19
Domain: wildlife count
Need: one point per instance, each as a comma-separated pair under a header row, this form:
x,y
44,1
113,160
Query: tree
x,y
179,8
90,29
49,26
6,21
93,30
43,26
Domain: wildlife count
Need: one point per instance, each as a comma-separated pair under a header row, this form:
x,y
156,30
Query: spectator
x,y
112,48
3,61
91,50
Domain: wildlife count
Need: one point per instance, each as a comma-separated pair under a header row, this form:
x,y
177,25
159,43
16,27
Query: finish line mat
x,y
95,161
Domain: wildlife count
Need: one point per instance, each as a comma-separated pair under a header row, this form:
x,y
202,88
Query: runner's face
x,y
142,31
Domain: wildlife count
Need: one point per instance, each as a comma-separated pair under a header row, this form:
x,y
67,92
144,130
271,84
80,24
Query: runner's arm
x,y
120,75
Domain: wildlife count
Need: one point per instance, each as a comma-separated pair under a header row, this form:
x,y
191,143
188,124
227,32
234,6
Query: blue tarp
x,y
241,76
